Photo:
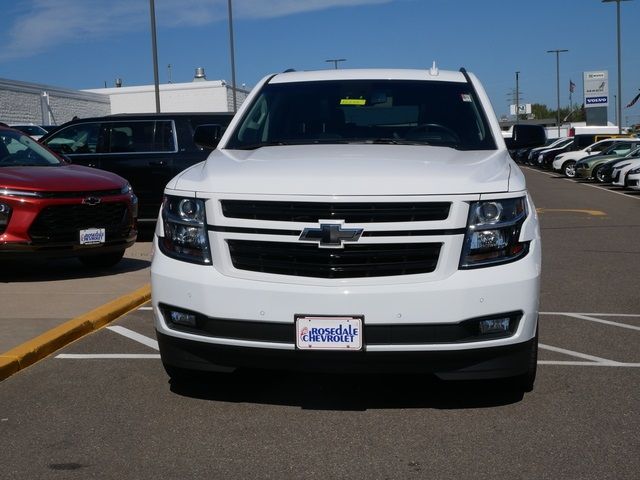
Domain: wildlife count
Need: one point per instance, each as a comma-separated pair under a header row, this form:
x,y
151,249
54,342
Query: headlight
x,y
5,215
493,232
634,171
185,230
126,188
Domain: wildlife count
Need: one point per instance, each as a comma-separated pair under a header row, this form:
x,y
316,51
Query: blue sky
x,y
85,43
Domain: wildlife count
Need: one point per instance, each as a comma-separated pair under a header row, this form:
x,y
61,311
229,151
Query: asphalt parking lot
x,y
104,408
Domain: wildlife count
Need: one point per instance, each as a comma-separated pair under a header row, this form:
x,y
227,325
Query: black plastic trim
x,y
391,334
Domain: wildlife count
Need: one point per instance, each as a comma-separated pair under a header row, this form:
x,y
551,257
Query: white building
x,y
200,95
23,102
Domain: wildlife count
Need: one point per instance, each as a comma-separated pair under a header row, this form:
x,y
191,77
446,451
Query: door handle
x,y
160,163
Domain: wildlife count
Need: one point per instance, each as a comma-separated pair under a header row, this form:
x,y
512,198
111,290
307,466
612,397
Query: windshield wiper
x,y
311,141
255,146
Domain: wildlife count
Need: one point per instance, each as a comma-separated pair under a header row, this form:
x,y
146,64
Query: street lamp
x,y
517,98
558,52
335,61
619,99
154,48
233,59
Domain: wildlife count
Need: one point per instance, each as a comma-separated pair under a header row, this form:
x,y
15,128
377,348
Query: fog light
x,y
494,325
182,318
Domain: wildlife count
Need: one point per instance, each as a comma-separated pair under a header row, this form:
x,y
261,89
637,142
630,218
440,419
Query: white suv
x,y
353,220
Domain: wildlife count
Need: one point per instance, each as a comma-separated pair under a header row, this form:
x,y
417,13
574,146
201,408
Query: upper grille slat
x,y
354,261
349,212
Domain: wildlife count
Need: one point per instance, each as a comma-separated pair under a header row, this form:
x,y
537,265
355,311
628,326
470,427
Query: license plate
x,y
328,333
92,236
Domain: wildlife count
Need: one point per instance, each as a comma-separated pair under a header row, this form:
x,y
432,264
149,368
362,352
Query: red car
x,y
50,208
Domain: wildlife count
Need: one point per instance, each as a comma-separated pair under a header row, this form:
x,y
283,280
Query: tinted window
x,y
602,146
17,149
365,111
75,139
140,136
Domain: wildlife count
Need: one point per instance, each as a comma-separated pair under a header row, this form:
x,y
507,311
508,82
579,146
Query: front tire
x,y
597,174
569,169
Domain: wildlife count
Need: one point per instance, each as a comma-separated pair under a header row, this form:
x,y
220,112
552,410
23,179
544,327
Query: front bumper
x,y
415,301
478,363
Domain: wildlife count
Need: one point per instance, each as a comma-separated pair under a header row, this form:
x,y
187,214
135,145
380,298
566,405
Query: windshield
x,y
365,111
19,150
30,129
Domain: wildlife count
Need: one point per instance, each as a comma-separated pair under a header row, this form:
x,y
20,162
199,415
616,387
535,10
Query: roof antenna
x,y
434,70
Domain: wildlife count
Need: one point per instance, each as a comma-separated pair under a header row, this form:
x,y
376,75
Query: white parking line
x,y
582,316
593,314
588,364
149,342
579,355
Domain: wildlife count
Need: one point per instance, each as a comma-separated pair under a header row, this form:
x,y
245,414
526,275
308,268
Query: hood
x,y
63,178
597,159
349,170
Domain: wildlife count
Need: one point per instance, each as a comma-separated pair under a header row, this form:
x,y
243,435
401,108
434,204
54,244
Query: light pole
x,y
335,61
517,99
558,52
154,48
619,99
233,59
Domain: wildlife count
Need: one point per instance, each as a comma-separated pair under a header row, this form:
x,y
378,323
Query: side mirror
x,y
207,136
526,136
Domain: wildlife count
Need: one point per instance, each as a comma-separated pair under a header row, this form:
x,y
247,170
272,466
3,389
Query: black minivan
x,y
147,149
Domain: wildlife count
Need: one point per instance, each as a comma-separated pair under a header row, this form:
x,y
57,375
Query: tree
x,y
568,114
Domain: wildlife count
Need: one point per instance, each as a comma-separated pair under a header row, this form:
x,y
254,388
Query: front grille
x,y
354,261
76,194
62,223
349,212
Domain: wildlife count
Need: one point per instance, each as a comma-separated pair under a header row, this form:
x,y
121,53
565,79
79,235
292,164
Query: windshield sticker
x,y
353,101
466,97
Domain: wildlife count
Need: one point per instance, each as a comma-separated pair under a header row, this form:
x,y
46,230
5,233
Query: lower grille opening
x,y
63,222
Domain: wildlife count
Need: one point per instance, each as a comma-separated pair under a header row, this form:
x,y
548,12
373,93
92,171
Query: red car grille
x,y
62,223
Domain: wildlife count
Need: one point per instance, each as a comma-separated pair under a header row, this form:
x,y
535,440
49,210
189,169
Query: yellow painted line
x,y
593,213
38,348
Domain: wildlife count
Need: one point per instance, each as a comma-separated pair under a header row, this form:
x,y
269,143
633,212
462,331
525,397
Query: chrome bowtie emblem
x,y
330,235
91,200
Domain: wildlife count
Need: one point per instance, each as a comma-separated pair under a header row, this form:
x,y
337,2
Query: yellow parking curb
x,y
36,349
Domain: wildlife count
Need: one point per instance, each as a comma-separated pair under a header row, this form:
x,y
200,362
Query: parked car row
x,y
53,205
613,160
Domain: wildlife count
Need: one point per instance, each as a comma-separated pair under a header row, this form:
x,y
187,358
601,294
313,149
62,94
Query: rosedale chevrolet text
x,y
353,220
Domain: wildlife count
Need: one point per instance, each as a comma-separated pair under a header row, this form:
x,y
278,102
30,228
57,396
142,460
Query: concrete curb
x,y
43,345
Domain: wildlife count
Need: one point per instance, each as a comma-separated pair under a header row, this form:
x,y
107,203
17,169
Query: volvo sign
x,y
596,89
